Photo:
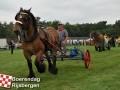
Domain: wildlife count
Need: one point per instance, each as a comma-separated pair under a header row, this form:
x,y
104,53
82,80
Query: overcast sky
x,y
72,11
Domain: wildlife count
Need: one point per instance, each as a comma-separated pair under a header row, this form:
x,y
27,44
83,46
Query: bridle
x,y
25,26
25,21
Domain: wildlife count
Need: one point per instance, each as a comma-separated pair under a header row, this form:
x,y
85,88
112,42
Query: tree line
x,y
74,30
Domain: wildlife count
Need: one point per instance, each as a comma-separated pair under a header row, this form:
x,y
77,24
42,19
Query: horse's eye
x,y
25,19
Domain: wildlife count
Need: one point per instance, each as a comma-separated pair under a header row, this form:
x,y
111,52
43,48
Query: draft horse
x,y
100,41
36,42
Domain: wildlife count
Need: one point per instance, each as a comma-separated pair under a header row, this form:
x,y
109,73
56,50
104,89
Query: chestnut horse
x,y
36,42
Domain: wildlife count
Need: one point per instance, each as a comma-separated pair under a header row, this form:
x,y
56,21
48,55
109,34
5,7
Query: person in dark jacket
x,y
11,46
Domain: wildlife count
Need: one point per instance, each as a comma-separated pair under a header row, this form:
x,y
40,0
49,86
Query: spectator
x,y
12,46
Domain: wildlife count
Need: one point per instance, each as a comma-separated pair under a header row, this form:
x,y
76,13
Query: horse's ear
x,y
21,9
29,9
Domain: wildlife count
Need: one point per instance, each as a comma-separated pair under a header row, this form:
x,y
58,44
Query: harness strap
x,y
49,46
45,42
45,33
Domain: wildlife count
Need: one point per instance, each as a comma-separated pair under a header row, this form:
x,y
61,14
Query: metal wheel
x,y
87,60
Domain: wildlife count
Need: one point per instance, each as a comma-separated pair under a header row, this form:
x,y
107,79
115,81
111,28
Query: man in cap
x,y
63,36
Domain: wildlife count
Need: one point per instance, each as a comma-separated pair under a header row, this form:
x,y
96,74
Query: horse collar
x,y
35,35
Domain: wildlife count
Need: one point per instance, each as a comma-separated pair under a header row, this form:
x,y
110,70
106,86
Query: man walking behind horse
x,y
63,36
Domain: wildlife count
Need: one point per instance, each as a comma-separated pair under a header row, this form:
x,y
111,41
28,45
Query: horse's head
x,y
23,19
95,35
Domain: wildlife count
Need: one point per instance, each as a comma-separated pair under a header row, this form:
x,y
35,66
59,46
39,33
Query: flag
x,y
5,80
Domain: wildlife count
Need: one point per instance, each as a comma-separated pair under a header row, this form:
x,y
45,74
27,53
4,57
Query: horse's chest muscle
x,y
32,48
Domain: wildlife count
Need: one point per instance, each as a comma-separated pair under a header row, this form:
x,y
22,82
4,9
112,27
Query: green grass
x,y
104,73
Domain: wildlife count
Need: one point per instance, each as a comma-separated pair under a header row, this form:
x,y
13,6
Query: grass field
x,y
104,73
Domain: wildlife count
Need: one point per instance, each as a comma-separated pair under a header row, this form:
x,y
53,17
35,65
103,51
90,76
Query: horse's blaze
x,y
87,59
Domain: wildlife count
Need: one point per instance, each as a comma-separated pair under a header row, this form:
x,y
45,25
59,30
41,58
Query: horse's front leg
x,y
29,62
39,62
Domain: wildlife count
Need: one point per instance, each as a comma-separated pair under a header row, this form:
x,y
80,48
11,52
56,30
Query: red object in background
x,y
87,60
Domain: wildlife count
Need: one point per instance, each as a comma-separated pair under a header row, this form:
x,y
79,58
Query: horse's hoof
x,y
31,76
62,59
53,70
41,68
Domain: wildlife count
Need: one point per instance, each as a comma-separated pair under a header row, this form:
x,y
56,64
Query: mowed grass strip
x,y
104,73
